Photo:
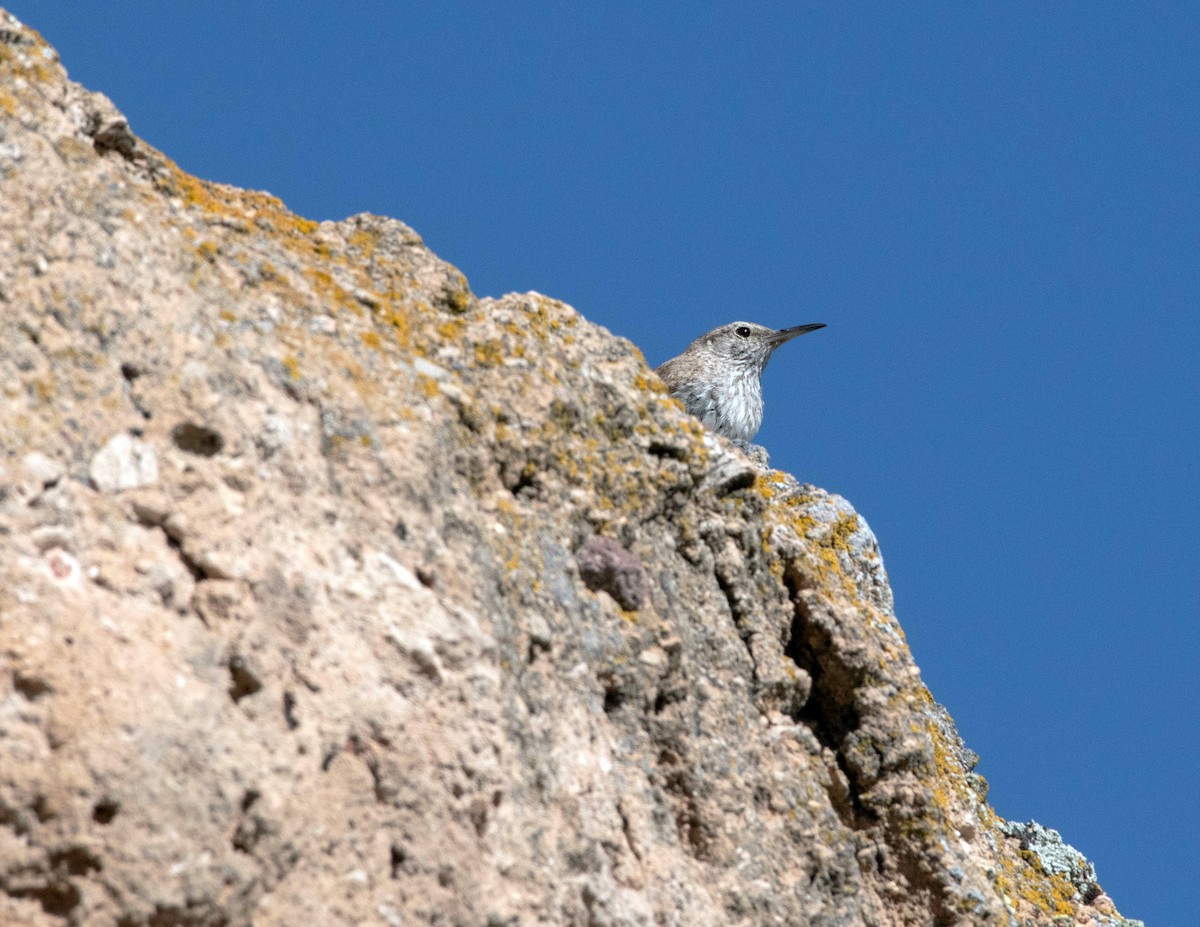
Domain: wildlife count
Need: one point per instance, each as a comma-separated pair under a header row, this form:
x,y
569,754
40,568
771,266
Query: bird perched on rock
x,y
718,377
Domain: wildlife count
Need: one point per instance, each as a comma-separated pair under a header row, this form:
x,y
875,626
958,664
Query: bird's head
x,y
749,345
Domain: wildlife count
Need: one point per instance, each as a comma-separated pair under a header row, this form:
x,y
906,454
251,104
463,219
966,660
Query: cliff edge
x,y
333,594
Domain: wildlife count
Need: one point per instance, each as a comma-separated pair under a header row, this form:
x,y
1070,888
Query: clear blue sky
x,y
994,207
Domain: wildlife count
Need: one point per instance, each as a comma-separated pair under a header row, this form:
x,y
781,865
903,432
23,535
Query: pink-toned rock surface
x,y
331,594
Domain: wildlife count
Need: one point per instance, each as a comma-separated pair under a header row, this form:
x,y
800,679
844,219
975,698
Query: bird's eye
x,y
743,331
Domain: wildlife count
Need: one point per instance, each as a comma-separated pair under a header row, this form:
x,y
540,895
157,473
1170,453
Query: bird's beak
x,y
787,334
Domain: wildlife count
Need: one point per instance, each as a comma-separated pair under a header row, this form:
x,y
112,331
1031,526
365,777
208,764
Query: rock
x,y
606,565
42,469
299,551
1055,857
124,462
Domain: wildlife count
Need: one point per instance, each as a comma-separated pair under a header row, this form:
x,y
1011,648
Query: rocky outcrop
x,y
333,594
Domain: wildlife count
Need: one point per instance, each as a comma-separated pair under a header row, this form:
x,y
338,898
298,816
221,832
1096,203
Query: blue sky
x,y
994,208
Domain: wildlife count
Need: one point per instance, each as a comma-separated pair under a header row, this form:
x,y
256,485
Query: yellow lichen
x,y
489,353
1030,883
363,241
648,385
451,329
392,312
327,288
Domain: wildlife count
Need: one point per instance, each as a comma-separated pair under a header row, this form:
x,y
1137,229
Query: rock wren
x,y
718,376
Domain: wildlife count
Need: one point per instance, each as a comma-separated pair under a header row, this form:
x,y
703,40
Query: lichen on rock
x,y
331,593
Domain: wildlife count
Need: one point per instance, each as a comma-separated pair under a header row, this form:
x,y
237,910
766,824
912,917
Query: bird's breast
x,y
740,409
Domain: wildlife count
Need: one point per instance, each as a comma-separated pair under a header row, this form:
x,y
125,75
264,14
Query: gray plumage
x,y
718,377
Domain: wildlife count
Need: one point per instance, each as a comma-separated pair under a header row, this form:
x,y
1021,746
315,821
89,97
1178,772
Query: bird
x,y
718,377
